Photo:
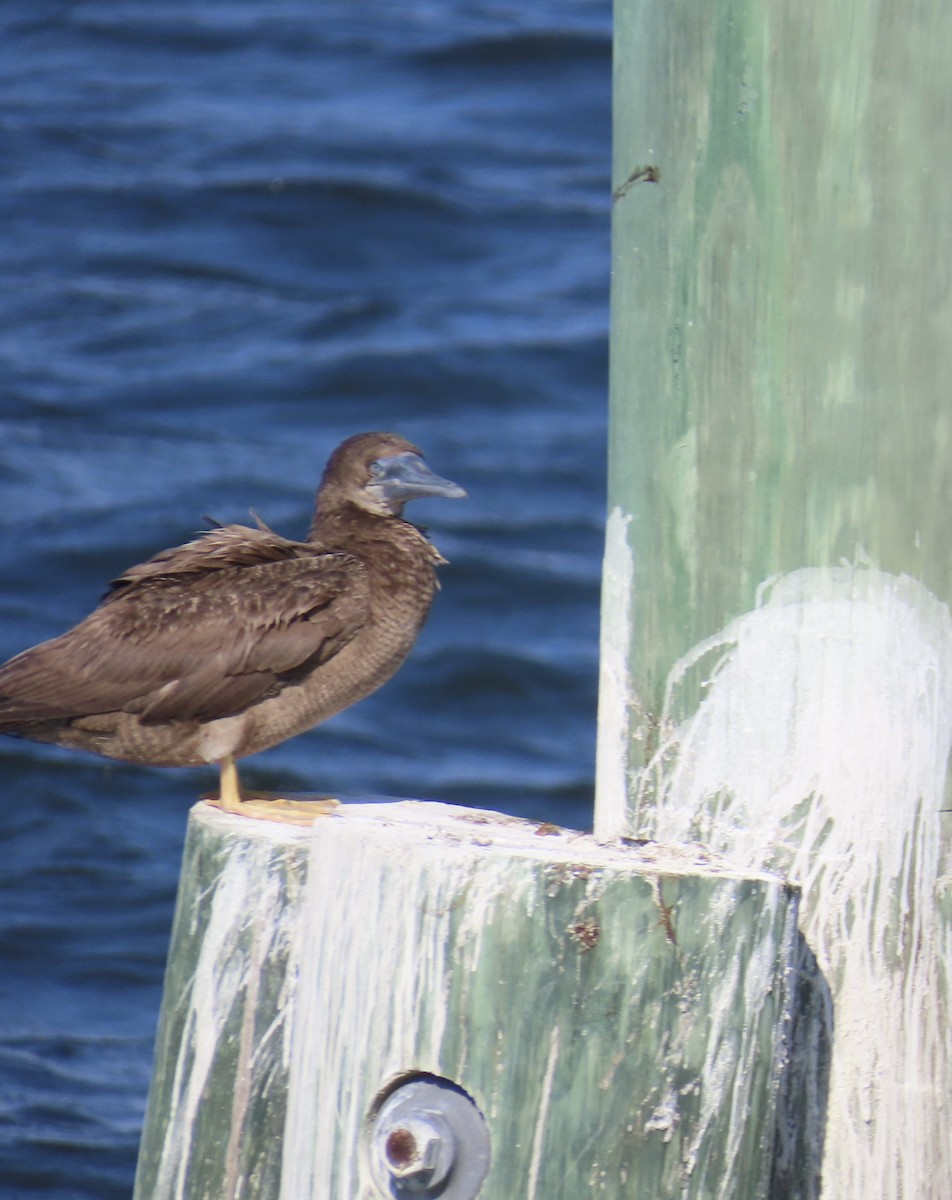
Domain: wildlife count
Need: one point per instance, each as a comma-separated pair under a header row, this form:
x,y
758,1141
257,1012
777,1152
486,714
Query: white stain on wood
x,y
396,935
614,698
244,909
819,750
538,1135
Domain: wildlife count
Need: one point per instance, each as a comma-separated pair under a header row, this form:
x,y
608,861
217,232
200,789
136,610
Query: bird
x,y
240,639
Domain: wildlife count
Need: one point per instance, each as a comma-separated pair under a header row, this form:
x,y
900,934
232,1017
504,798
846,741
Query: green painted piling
x,y
612,1011
777,647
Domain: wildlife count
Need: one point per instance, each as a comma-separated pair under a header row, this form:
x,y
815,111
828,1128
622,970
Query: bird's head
x,y
379,473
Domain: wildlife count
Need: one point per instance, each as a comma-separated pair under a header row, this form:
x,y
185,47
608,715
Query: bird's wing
x,y
177,643
222,548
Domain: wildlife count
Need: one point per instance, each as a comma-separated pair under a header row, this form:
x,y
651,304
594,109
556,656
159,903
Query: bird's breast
x,y
396,615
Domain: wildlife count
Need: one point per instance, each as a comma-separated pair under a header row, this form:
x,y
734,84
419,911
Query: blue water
x,y
233,234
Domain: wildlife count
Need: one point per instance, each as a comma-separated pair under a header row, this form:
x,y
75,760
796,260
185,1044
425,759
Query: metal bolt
x,y
427,1139
419,1151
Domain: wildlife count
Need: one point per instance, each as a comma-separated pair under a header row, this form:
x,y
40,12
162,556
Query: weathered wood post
x,y
409,999
777,652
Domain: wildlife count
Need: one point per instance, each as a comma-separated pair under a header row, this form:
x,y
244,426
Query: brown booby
x,y
240,639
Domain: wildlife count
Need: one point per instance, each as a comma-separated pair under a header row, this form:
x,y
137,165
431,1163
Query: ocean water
x,y
232,235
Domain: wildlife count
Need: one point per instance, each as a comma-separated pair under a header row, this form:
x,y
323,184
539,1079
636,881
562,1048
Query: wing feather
x,y
196,633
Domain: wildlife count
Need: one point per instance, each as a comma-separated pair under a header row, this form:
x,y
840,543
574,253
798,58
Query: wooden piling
x,y
777,647
612,1012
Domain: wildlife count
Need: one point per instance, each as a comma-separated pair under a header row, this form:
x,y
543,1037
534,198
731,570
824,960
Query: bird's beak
x,y
403,477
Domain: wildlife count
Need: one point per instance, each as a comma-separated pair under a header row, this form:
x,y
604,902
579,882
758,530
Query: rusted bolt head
x,y
418,1150
427,1140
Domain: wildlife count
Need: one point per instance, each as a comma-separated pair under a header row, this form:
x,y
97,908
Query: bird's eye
x,y
376,469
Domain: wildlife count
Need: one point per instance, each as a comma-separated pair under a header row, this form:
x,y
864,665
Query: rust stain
x,y
666,913
586,933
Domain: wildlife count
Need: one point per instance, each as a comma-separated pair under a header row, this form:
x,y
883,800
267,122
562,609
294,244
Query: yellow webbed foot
x,y
264,807
276,808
